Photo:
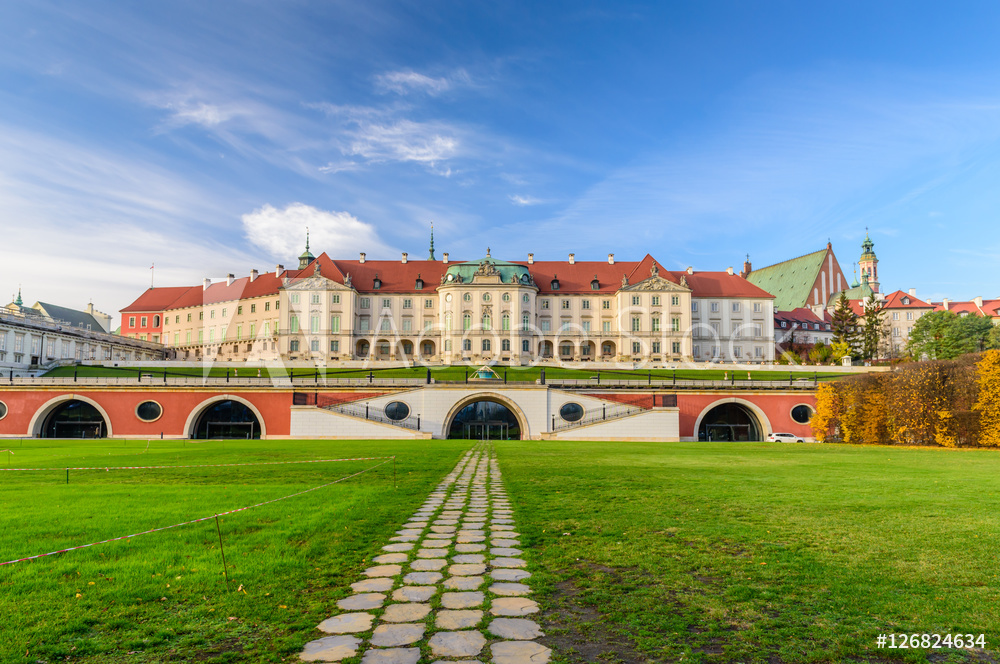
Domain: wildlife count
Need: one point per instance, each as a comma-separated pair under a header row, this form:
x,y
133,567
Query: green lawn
x,y
451,373
711,552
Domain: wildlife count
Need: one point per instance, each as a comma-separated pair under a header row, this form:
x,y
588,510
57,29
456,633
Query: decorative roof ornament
x,y
347,280
487,252
430,256
19,301
684,280
654,270
624,280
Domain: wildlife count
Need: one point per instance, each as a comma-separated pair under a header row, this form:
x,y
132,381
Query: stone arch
x,y
510,404
755,410
46,409
196,412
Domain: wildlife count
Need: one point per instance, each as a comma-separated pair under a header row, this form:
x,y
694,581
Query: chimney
x,y
444,257
729,270
572,258
945,302
90,308
253,274
362,259
913,292
531,259
404,256
979,301
747,268
278,269
205,284
230,278
690,270
611,259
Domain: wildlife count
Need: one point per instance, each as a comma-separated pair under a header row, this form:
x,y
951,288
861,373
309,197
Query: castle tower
x,y
869,263
306,257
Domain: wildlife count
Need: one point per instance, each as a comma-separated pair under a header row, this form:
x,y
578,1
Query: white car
x,y
783,438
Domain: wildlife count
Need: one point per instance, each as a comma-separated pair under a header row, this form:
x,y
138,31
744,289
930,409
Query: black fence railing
x,y
374,414
596,415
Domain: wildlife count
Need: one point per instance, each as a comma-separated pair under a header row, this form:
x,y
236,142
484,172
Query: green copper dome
x,y
510,273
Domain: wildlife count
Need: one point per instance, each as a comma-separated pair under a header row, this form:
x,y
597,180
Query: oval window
x,y
148,411
486,297
467,297
3,410
506,297
802,414
571,412
397,410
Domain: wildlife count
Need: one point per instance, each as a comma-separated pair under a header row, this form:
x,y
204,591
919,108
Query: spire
x,y
430,256
306,256
19,301
307,239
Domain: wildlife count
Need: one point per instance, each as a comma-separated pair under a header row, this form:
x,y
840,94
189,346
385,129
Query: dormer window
x,y
784,324
555,282
906,300
378,282
420,283
595,284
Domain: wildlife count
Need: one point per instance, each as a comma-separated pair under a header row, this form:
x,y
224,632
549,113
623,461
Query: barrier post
x,y
67,476
225,571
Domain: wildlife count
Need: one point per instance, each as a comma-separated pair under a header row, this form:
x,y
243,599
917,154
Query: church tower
x,y
306,257
869,263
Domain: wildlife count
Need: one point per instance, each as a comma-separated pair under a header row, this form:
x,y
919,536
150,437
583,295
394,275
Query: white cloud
x,y
404,141
282,232
524,200
405,82
206,115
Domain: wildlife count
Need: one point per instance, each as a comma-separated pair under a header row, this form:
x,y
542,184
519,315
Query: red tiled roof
x,y
895,301
242,288
721,284
800,315
396,276
576,278
157,299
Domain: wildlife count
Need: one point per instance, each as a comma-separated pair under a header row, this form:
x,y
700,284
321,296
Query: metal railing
x,y
606,413
374,414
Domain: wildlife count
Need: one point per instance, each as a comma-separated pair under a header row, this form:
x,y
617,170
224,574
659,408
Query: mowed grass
x,y
163,597
451,373
778,553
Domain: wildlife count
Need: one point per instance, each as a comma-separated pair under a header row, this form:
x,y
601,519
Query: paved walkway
x,y
450,585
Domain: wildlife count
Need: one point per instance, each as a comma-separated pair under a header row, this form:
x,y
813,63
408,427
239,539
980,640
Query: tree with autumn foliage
x,y
988,402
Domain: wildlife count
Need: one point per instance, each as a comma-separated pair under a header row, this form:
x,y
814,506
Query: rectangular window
x,y
605,304
525,346
586,326
335,346
314,344
505,322
366,303
428,324
335,323
253,308
758,307
211,314
585,304
694,307
407,303
656,347
758,330
267,306
447,344
545,304
314,299
715,328
605,326
363,323
546,325
314,324
675,300
565,304
487,345
636,299
293,324
239,310
466,344
656,325
635,324
895,331
675,324
143,321
239,332
909,315
295,298
407,324
211,335
277,305
385,324
505,345
895,315
201,315
737,307
428,304
466,322
187,337
737,352
335,299
656,300
758,351
715,307
386,303
675,348
50,347
131,321
636,348
253,330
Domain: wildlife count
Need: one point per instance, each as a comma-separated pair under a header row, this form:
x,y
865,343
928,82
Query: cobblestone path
x,y
449,587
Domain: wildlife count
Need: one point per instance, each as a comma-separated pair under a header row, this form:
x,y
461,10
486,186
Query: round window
x,y
506,297
802,414
148,411
397,410
3,410
467,297
486,297
447,298
571,412
525,297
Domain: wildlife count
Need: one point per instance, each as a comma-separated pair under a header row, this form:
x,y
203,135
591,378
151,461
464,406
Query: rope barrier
x,y
187,523
207,465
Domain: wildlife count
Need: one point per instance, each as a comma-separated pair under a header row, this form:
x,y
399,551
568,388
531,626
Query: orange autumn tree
x,y
829,408
988,402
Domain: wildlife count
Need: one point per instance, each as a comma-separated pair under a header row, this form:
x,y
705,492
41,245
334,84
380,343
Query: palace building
x,y
442,311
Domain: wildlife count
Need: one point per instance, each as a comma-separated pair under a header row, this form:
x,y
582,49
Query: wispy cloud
x,y
281,232
405,141
524,200
406,82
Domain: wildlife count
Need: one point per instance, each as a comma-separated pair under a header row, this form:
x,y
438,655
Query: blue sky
x,y
204,137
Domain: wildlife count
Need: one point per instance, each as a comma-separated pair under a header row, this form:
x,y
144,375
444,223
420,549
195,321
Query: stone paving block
x,y
347,623
330,649
469,548
404,538
392,656
457,644
383,570
463,582
387,558
513,606
509,574
404,613
509,562
400,546
410,531
361,602
510,589
414,593
462,600
494,526
505,542
430,565
467,539
430,553
372,585
519,652
439,536
415,524
443,529
422,578
518,629
467,570
469,559
439,544
504,534
461,619
505,551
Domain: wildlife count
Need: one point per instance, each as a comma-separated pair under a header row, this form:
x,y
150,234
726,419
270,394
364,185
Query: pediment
x,y
316,282
657,283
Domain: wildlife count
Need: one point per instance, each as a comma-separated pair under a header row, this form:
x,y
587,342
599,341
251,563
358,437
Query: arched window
x,y
505,344
447,321
487,322
156,321
505,322
525,321
486,344
466,321
466,344
293,346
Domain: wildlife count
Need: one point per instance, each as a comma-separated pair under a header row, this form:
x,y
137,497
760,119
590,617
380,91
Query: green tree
x,y
932,338
844,323
840,350
873,331
972,334
994,340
